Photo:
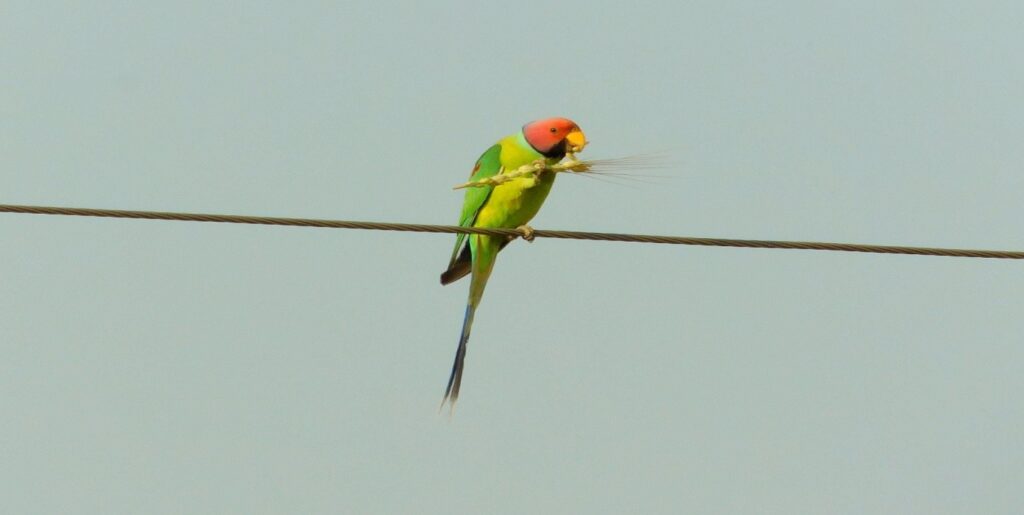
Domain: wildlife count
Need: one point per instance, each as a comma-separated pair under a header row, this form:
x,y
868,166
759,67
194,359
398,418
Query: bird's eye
x,y
554,130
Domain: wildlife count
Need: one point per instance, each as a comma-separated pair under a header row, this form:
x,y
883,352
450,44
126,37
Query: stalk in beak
x,y
576,139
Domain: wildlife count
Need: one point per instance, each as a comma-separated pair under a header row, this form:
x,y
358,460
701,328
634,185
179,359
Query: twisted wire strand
x,y
512,233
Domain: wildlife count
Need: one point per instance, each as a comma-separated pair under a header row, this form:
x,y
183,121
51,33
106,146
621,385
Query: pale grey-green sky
x,y
156,367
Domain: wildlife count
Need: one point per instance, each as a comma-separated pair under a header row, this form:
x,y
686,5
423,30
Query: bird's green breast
x,y
516,202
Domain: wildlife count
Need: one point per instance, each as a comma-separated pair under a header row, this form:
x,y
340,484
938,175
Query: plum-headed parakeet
x,y
508,205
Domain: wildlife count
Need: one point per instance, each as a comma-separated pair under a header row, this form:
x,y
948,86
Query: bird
x,y
510,204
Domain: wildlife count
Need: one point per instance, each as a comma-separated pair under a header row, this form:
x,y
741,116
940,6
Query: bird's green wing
x,y
488,165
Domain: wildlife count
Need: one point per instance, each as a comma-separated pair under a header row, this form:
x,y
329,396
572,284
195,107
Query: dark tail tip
x,y
451,393
457,271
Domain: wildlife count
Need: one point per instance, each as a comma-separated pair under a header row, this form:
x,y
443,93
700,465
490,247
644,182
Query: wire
x,y
512,233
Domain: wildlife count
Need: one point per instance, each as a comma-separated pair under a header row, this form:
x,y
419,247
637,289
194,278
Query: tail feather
x,y
460,266
484,252
451,393
457,271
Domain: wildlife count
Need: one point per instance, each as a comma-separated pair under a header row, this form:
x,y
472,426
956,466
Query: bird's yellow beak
x,y
577,140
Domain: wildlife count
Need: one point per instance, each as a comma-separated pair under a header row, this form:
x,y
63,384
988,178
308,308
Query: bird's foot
x,y
525,232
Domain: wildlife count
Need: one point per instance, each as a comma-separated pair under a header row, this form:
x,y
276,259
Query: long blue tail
x,y
451,394
484,249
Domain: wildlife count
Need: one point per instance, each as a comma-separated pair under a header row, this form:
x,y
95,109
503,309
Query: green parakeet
x,y
507,205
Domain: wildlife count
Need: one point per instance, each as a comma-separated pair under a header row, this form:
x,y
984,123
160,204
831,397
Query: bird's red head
x,y
554,137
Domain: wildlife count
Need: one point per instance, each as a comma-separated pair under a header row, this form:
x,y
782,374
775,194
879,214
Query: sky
x,y
169,367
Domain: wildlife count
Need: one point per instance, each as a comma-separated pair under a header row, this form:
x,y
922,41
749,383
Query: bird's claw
x,y
525,232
